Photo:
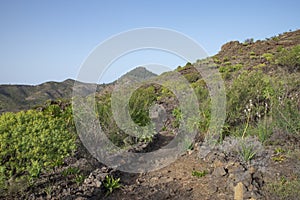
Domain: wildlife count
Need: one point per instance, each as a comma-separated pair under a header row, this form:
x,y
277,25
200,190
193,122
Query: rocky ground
x,y
206,172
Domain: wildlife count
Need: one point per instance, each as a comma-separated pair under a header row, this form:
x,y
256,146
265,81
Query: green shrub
x,y
216,60
284,188
268,56
227,63
286,115
264,129
257,104
107,122
191,77
289,59
226,59
230,68
139,104
248,94
33,141
260,66
279,48
202,121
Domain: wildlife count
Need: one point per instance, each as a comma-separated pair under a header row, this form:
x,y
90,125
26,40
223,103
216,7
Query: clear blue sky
x,y
48,40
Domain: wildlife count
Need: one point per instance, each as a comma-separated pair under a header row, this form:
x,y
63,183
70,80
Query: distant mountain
x,y
138,74
21,97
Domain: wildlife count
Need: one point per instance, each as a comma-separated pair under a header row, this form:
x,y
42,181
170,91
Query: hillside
x,y
256,154
22,97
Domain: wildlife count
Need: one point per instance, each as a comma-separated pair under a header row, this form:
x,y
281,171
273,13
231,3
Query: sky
x,y
50,40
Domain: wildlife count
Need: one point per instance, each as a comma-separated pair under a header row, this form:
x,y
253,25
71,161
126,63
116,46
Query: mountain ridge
x,y
16,97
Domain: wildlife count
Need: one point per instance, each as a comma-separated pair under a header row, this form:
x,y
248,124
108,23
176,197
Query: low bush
x,y
289,59
33,141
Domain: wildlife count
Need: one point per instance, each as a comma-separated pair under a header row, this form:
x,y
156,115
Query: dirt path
x,y
174,182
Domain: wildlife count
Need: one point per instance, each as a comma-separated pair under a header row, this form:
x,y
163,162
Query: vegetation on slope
x,y
32,141
262,85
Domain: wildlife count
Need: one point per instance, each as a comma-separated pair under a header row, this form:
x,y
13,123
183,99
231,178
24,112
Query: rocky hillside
x,y
256,155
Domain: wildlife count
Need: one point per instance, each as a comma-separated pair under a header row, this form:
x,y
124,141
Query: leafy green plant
x,y
216,60
34,141
286,115
278,158
285,188
279,150
111,184
260,66
71,171
48,190
226,59
107,122
279,155
230,68
79,178
187,144
268,56
264,129
248,86
289,58
199,174
253,57
139,104
247,152
178,117
227,63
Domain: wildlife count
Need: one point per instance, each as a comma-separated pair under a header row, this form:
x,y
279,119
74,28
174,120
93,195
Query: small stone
x,y
137,181
239,191
256,195
252,170
247,179
32,197
101,176
235,168
154,179
98,183
169,179
231,176
212,189
80,198
219,171
104,169
218,163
